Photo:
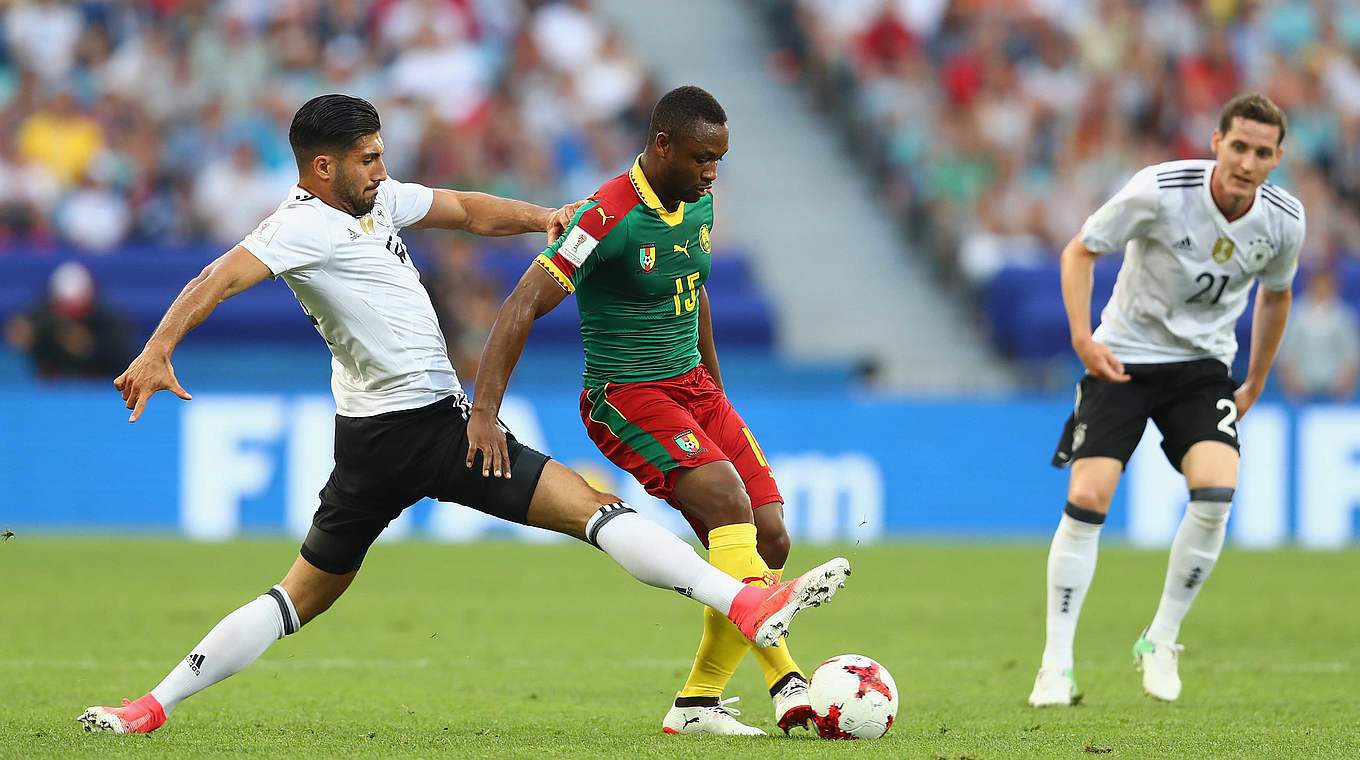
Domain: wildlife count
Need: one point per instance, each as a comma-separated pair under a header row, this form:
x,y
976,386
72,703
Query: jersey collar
x,y
650,198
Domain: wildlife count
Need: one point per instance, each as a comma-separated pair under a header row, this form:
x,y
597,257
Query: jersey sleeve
x,y
582,247
407,202
1129,214
1279,273
291,239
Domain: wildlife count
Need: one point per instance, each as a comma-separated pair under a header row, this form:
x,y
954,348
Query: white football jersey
x,y
1187,271
358,285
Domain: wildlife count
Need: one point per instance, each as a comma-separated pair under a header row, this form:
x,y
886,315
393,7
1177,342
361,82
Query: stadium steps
x,y
816,232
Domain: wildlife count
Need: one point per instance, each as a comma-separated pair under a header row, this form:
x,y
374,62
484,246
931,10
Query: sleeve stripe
x,y
549,266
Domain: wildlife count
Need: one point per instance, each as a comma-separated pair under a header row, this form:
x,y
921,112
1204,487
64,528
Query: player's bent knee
x,y
1091,499
724,506
1210,506
773,548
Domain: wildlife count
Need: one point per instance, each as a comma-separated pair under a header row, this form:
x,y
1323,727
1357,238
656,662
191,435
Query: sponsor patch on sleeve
x,y
266,231
578,246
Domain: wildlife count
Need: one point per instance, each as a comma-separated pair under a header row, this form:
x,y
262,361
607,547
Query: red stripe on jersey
x,y
616,198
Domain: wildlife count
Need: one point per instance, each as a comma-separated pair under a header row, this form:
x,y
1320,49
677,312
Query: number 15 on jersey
x,y
690,301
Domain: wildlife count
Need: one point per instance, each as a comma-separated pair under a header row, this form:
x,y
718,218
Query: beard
x,y
351,193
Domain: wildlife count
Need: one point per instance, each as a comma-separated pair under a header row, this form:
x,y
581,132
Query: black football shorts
x,y
1189,402
387,462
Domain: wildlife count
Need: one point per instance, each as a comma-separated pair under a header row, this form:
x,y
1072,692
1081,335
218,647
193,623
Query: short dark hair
x,y
1252,106
330,123
680,110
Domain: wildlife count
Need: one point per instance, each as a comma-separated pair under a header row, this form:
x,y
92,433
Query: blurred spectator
x,y
60,138
72,334
1320,357
93,216
147,122
235,191
42,35
465,301
995,128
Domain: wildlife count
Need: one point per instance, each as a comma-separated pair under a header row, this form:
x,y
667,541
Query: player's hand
x,y
1244,397
148,373
1100,361
561,218
485,435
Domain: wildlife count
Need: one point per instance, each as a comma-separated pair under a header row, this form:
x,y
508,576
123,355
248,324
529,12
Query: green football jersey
x,y
636,270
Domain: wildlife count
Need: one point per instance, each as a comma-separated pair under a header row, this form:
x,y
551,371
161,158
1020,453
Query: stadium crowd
x,y
163,121
997,126
164,124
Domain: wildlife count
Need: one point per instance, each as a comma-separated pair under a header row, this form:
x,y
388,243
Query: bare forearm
x,y
494,216
708,348
502,352
194,303
1267,330
1077,267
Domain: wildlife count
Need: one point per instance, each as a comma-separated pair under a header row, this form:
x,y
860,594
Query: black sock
x,y
781,683
696,701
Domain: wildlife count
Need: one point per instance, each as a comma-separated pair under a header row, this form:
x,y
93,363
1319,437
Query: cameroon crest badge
x,y
647,257
689,442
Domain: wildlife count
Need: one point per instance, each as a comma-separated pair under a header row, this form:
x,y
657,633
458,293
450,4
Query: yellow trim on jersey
x,y
650,198
551,268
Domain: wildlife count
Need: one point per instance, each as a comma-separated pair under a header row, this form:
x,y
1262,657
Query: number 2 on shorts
x,y
1226,424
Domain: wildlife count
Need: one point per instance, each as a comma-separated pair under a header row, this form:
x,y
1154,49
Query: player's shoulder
x,y
300,217
1178,175
300,206
1281,204
608,206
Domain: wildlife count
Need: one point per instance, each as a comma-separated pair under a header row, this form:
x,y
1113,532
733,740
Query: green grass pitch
x,y
506,650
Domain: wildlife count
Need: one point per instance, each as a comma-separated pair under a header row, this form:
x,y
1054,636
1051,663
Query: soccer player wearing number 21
x,y
401,428
1196,236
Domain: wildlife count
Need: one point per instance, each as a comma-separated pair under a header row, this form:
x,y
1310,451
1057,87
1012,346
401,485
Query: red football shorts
x,y
653,429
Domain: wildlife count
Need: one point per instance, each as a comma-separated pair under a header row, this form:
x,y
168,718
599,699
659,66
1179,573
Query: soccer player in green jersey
x,y
637,256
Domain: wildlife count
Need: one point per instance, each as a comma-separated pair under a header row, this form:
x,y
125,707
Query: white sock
x,y
658,557
232,644
1194,552
1071,565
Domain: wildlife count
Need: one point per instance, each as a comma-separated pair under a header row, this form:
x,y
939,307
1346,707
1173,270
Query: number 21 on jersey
x,y
690,300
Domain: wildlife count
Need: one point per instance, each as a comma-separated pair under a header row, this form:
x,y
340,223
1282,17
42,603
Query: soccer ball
x,y
853,697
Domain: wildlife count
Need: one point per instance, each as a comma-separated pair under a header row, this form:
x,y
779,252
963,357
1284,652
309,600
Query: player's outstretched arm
x,y
708,348
1078,267
1267,330
233,272
493,216
536,294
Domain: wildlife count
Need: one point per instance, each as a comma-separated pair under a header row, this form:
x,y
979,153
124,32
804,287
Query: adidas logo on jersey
x,y
1184,244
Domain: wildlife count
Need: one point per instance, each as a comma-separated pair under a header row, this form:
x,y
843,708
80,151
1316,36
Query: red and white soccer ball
x,y
853,697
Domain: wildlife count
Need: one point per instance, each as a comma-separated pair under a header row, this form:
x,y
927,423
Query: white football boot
x,y
717,719
1160,664
1055,688
792,706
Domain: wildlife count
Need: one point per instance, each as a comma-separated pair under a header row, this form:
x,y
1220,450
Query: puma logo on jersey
x,y
682,248
604,218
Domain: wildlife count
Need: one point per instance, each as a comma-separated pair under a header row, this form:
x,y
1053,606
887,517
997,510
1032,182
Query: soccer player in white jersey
x,y
401,427
1196,236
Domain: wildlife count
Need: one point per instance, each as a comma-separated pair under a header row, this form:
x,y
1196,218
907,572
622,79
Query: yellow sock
x,y
731,549
775,662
